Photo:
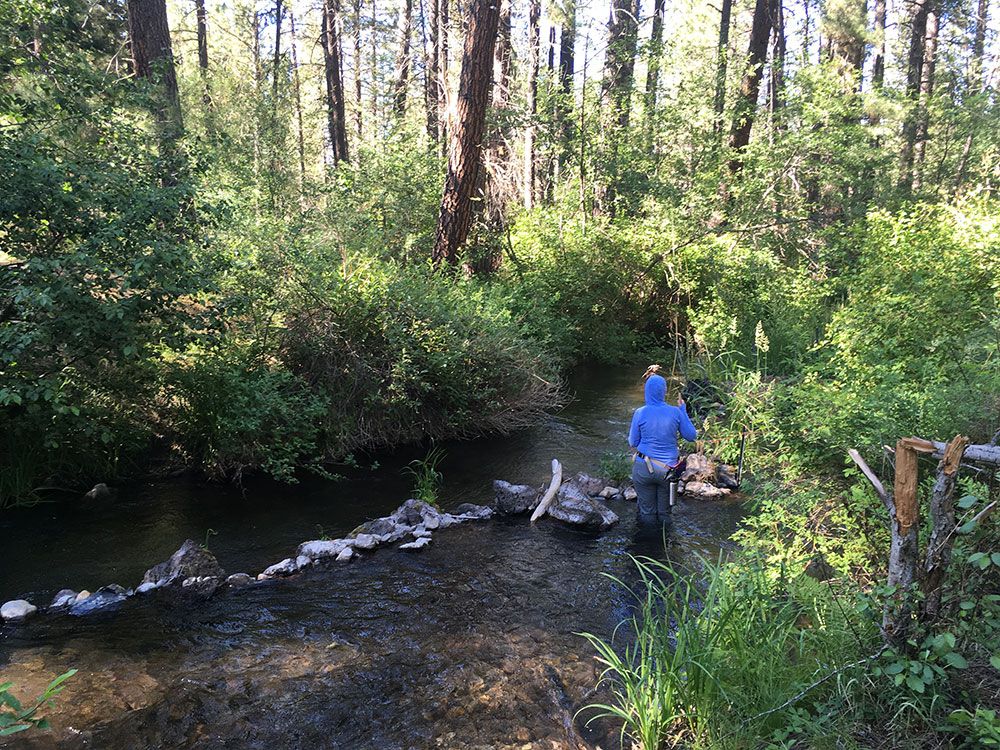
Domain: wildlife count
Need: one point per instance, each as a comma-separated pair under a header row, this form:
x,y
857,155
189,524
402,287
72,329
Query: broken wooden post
x,y
942,525
550,493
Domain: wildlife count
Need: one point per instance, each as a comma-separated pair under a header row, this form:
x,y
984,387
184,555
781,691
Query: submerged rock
x,y
286,567
377,527
100,491
345,554
416,544
414,512
63,599
573,507
321,548
201,586
471,511
698,468
591,486
17,610
514,499
724,477
239,580
145,588
104,597
190,561
704,491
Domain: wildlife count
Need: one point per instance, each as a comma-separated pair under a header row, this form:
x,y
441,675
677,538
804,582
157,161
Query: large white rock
x,y
323,548
63,599
345,554
365,541
284,568
417,544
16,610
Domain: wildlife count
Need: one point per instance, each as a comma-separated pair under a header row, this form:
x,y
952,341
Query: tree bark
x,y
914,72
297,83
777,79
720,71
279,11
402,76
358,104
534,52
940,542
619,60
878,66
653,69
431,74
923,103
467,132
335,109
153,60
746,102
567,70
975,80
443,65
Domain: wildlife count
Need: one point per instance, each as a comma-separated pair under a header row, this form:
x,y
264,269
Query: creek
x,y
470,643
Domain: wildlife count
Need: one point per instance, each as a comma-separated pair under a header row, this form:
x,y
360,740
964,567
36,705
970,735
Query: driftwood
x,y
904,524
550,493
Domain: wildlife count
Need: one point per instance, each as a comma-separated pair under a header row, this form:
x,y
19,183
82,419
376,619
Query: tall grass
x,y
710,660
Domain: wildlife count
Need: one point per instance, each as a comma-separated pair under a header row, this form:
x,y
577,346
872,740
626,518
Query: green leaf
x,y
915,683
955,659
995,661
995,557
967,502
895,668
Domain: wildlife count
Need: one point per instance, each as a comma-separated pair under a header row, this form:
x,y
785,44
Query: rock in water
x,y
469,510
239,580
365,541
201,586
100,491
591,486
190,561
414,512
17,610
320,548
698,468
513,499
704,490
63,599
416,544
345,554
724,478
573,507
284,568
104,597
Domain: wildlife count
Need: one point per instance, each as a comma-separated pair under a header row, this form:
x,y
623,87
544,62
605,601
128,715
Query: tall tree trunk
x,y
914,72
358,103
467,131
878,66
722,64
534,52
567,70
443,65
552,162
430,67
335,110
653,69
746,102
153,59
975,80
297,83
923,105
201,18
777,79
402,77
619,59
279,11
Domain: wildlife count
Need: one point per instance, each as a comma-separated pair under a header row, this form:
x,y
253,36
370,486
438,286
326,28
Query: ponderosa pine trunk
x,y
153,60
430,48
201,20
297,84
466,137
358,103
923,104
335,109
619,60
534,53
914,73
402,77
777,79
567,70
653,69
878,65
279,11
975,79
443,64
746,102
722,64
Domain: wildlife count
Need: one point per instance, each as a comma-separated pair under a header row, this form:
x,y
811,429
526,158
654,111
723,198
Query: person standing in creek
x,y
654,435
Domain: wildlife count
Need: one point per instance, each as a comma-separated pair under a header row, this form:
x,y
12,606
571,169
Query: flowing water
x,y
470,643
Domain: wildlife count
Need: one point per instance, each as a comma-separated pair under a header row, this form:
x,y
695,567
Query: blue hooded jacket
x,y
655,425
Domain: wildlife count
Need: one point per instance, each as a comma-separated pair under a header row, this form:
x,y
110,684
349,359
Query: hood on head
x,y
656,390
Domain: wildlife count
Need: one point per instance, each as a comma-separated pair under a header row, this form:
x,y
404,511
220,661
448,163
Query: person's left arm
x,y
634,432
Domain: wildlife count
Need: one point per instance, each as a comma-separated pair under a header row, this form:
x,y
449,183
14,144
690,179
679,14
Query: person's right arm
x,y
688,432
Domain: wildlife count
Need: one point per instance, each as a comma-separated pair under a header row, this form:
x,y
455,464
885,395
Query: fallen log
x,y
550,493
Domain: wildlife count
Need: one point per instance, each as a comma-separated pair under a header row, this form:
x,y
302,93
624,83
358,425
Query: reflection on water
x,y
470,643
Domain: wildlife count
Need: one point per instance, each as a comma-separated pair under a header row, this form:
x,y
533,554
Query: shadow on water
x,y
470,643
